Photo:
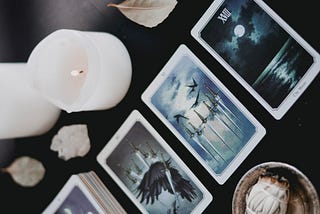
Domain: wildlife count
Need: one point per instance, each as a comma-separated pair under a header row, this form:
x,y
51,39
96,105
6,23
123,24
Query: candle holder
x,y
81,70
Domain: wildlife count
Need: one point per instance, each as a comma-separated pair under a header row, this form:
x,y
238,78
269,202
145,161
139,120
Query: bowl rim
x,y
262,167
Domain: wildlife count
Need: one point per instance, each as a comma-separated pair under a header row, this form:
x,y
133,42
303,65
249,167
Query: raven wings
x,y
155,181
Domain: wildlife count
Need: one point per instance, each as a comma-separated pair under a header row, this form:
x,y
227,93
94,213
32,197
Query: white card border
x,y
260,130
136,116
302,85
72,182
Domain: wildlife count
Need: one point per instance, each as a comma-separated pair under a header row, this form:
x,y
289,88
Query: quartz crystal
x,y
71,141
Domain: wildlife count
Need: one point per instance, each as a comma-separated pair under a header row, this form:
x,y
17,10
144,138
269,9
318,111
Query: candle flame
x,y
76,72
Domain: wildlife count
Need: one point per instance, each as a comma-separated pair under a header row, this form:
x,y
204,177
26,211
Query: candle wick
x,y
76,72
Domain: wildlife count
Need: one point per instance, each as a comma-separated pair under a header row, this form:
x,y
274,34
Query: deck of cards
x,y
149,171
260,50
84,193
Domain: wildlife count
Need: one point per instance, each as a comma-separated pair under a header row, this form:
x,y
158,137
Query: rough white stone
x,y
71,141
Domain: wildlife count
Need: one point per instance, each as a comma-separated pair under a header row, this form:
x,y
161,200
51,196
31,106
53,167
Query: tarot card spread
x,y
149,172
260,50
203,114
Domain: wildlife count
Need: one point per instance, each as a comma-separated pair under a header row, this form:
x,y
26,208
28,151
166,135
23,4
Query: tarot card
x,y
74,197
218,130
149,172
260,50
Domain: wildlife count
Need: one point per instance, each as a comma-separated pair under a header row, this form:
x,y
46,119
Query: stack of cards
x,y
149,172
260,50
84,193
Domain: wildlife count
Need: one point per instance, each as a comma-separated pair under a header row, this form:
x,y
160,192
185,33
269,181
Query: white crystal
x,y
71,141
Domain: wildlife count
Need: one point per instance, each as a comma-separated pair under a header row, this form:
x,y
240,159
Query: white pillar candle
x,y
23,112
81,71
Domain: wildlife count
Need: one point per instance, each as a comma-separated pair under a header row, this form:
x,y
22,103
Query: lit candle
x,y
23,112
81,71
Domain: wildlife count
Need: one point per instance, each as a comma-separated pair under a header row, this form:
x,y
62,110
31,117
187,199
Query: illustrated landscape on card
x,y
203,115
240,30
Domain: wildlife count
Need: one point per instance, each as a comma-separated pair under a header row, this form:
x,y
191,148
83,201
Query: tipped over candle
x,y
23,111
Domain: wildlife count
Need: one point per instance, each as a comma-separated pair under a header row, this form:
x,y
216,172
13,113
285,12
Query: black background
x,y
293,139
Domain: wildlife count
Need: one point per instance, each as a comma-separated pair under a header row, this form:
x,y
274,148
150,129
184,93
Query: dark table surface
x,y
293,139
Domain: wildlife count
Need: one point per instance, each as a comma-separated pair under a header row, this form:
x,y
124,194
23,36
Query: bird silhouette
x,y
196,102
193,86
178,116
155,180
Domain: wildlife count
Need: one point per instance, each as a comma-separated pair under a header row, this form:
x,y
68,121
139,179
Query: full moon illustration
x,y
67,211
239,30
